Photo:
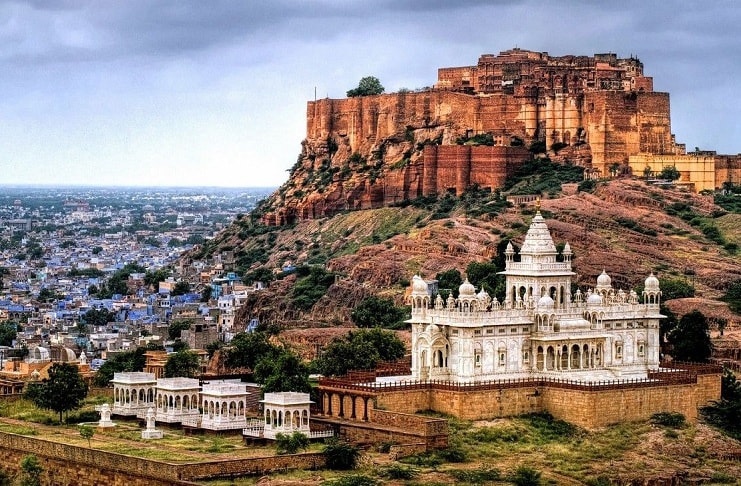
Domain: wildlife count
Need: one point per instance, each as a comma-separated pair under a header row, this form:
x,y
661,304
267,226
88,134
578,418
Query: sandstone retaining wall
x,y
71,465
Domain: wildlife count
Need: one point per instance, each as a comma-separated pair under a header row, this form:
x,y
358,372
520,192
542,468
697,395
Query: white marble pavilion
x,y
539,329
133,393
176,399
223,405
284,413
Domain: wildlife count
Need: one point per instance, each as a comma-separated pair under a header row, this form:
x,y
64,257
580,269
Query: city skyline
x,y
192,94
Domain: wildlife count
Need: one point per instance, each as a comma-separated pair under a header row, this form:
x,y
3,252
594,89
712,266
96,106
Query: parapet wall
x,y
66,464
683,389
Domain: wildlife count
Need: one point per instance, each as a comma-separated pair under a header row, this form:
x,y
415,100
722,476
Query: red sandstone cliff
x,y
373,151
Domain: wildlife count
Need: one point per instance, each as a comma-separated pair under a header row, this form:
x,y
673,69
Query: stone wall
x,y
72,465
455,168
588,407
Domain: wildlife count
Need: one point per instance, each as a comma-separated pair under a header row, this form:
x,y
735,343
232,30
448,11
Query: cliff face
x,y
373,151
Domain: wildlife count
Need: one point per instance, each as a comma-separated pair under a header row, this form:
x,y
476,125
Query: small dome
x,y
604,280
419,286
651,284
466,290
594,298
567,249
545,301
483,294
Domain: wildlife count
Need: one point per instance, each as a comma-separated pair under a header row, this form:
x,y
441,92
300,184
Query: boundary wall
x,y
683,389
70,465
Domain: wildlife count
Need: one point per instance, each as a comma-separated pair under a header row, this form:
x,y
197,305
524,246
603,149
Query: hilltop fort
x,y
478,124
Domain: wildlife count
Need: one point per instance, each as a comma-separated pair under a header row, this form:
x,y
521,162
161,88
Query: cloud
x,y
192,91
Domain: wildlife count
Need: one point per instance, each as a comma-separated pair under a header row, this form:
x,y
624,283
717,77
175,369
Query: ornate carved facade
x,y
540,329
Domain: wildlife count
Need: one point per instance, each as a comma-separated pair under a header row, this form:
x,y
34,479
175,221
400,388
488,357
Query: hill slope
x,y
625,227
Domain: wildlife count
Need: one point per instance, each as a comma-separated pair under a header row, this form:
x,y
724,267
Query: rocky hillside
x,y
623,226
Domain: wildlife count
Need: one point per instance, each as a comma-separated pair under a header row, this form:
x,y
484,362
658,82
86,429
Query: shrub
x,y
291,443
475,476
668,419
340,455
353,480
452,454
525,476
398,471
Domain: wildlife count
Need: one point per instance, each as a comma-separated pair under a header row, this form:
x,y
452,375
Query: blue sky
x,y
187,92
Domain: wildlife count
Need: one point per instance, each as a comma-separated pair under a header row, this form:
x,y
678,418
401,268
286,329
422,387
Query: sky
x,y
213,93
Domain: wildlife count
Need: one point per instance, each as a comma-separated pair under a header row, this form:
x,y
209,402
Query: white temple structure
x,y
133,393
284,413
177,399
223,405
539,329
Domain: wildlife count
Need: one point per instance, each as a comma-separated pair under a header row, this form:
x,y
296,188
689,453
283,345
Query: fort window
x,y
477,332
513,330
619,350
502,331
525,356
490,331
502,357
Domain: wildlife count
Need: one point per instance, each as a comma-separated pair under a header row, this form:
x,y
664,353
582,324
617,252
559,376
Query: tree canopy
x,y
449,280
8,332
359,350
690,339
125,361
376,311
285,372
183,363
63,391
246,349
369,85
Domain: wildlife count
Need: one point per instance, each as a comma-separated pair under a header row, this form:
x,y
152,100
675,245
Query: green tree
x,y
47,295
369,85
310,288
206,294
152,278
98,317
449,280
8,332
670,172
31,471
121,362
483,275
378,312
246,349
281,373
63,391
291,443
178,325
690,340
180,288
183,363
675,288
87,432
359,350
